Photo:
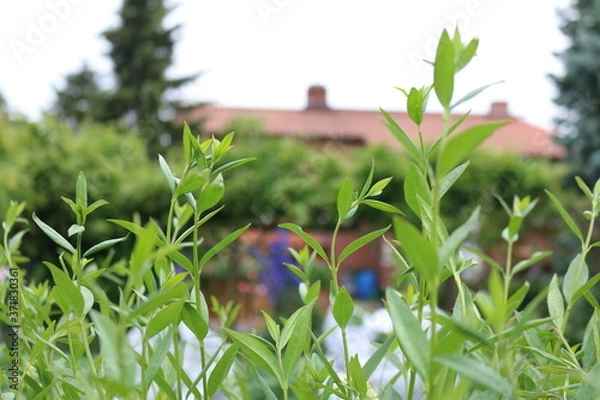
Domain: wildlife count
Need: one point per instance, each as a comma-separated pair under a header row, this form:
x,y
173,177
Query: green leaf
x,y
381,206
535,257
343,307
357,377
414,105
576,276
310,241
378,187
443,70
467,54
81,191
169,177
420,252
157,299
450,130
590,389
460,146
67,288
103,245
480,374
157,358
415,184
167,316
192,182
367,185
344,199
360,242
187,139
556,304
565,216
231,165
222,368
222,244
211,195
378,356
94,206
457,237
402,137
75,229
586,287
452,177
256,351
295,336
412,339
52,234
584,188
88,299
194,321
472,94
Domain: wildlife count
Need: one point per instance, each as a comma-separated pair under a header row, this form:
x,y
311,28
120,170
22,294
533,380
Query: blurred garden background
x,y
308,123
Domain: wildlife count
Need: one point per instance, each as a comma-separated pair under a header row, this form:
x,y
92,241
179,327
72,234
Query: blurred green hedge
x,y
289,181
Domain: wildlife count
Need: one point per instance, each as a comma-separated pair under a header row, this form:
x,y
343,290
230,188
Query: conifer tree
x,y
579,88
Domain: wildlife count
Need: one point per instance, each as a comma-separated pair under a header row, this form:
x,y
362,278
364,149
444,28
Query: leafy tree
x,y
142,51
579,88
81,98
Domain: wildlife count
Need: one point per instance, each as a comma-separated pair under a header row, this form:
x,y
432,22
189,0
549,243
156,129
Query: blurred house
x,y
320,124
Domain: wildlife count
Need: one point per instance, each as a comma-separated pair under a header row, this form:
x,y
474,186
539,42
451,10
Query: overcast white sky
x,y
360,50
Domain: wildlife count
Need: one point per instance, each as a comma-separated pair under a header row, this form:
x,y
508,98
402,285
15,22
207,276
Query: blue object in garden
x,y
366,284
276,277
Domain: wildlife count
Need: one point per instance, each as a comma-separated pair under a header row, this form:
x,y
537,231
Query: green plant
x,y
75,342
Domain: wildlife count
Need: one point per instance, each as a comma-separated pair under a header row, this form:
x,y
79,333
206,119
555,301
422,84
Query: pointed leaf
x,y
211,195
414,105
556,304
256,351
295,336
310,241
473,93
192,182
222,244
565,215
412,339
360,242
157,358
576,276
231,165
169,177
75,229
68,289
420,252
222,368
344,199
535,257
103,245
81,191
443,70
165,317
480,374
457,237
381,206
460,146
343,307
452,177
52,234
415,184
194,321
402,137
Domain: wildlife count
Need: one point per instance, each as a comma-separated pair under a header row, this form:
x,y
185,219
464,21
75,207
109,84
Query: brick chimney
x,y
317,98
499,109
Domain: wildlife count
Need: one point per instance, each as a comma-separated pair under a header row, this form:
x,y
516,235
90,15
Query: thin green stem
x,y
507,271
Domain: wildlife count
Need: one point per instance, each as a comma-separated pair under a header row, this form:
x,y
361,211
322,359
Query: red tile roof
x,y
368,127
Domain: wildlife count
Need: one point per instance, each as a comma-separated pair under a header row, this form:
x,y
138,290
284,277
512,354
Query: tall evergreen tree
x,y
142,51
81,99
579,88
